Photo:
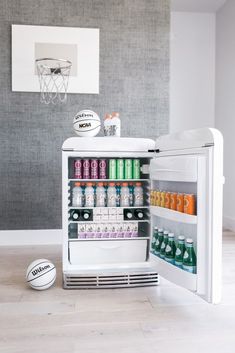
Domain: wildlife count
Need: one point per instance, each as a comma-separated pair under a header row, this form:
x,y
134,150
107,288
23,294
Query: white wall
x,y
225,102
192,70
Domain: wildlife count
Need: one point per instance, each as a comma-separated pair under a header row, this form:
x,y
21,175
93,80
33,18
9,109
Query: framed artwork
x,y
78,45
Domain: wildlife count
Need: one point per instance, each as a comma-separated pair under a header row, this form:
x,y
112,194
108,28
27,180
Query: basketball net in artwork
x,y
53,77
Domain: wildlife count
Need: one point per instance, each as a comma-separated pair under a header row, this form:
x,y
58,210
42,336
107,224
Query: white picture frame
x,y
24,41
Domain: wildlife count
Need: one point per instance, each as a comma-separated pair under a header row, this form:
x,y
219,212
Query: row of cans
x,y
106,168
185,203
124,169
90,168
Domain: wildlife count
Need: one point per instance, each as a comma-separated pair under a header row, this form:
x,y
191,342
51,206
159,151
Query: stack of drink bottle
x,y
185,203
107,194
106,168
180,253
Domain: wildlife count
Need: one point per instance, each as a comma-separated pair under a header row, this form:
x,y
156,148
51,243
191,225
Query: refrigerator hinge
x,y
154,151
68,149
209,144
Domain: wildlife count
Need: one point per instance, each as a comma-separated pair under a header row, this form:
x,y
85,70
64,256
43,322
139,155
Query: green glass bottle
x,y
189,258
170,249
154,238
164,243
158,242
180,251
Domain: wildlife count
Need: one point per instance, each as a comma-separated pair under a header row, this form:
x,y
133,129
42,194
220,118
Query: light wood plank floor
x,y
162,319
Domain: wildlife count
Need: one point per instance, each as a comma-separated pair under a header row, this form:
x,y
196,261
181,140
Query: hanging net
x,y
53,77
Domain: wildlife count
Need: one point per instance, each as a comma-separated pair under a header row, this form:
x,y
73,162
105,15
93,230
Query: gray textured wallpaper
x,y
134,80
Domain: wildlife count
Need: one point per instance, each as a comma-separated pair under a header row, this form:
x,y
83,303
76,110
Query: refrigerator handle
x,y
154,151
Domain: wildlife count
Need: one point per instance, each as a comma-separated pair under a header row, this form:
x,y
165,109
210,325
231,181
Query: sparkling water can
x,y
86,168
136,169
128,169
112,169
102,169
94,169
78,169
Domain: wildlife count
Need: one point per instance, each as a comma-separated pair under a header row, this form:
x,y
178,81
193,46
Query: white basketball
x,y
41,274
86,123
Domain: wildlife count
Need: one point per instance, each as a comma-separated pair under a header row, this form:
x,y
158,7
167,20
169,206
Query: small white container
x,y
112,125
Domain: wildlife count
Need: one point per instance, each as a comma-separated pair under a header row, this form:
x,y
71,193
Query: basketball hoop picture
x,y
53,77
55,61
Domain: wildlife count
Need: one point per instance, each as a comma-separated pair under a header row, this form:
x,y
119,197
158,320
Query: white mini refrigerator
x,y
188,162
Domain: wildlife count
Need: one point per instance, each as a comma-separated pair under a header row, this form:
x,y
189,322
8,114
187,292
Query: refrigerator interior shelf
x,y
108,180
173,215
174,274
126,207
106,239
117,221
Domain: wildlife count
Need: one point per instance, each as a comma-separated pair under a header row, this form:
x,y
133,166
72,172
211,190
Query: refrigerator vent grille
x,y
111,281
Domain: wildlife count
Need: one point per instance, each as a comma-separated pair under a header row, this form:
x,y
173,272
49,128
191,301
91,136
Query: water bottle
x,y
189,258
77,198
89,196
125,195
111,195
100,195
138,195
170,249
180,249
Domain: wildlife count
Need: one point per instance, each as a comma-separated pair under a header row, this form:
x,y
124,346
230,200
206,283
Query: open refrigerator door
x,y
190,163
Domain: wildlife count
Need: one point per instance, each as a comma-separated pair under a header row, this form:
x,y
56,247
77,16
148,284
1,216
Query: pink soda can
x,y
86,168
78,169
102,169
94,169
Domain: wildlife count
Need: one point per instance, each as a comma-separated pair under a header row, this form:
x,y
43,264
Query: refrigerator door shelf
x,y
108,180
173,215
174,274
176,168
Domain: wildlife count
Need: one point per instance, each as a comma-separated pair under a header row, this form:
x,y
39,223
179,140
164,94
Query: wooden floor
x,y
162,319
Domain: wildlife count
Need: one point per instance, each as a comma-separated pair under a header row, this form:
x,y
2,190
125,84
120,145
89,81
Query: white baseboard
x,y
31,237
229,223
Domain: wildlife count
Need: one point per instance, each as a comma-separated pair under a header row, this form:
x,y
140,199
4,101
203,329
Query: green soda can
x,y
120,169
158,242
164,244
154,238
170,249
128,169
112,168
136,169
189,258
180,249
